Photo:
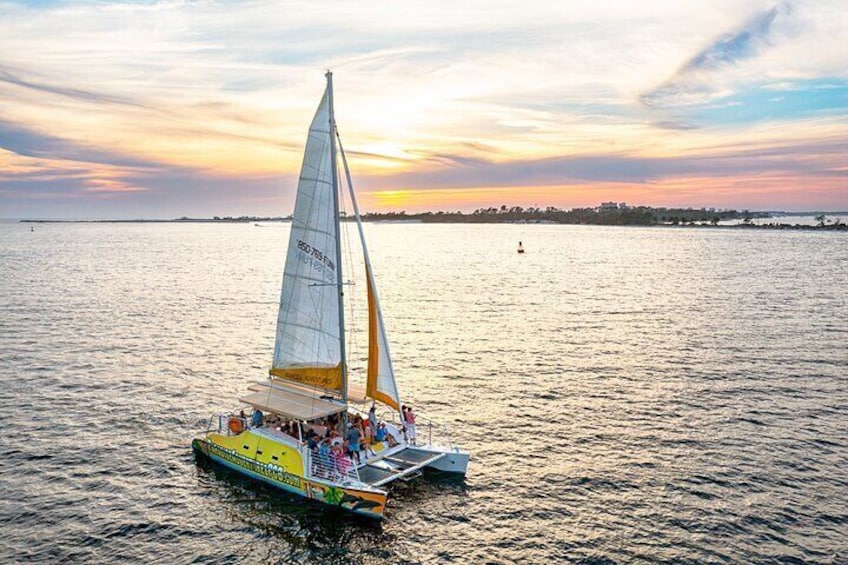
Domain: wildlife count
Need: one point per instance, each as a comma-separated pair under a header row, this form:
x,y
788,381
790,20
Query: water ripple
x,y
629,395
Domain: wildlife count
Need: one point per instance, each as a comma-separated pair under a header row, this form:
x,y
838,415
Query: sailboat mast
x,y
335,175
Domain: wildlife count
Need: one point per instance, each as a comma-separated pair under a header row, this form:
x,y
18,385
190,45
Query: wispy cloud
x,y
742,44
696,79
75,93
32,143
802,158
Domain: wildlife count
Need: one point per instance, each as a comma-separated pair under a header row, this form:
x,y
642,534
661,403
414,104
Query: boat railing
x,y
434,432
428,432
226,424
332,466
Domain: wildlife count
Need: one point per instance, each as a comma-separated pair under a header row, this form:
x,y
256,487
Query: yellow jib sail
x,y
381,379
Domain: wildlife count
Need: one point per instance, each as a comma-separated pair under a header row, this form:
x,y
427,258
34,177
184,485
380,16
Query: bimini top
x,y
298,403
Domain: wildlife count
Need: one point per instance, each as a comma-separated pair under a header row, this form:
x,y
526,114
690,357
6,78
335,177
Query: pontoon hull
x,y
363,502
454,461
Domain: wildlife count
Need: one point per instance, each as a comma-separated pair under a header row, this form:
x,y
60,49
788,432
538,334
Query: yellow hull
x,y
282,466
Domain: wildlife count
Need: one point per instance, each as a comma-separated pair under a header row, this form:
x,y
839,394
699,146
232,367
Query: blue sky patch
x,y
765,103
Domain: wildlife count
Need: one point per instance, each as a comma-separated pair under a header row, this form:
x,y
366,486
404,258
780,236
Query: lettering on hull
x,y
361,502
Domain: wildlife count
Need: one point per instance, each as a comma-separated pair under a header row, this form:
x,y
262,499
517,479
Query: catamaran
x,y
308,431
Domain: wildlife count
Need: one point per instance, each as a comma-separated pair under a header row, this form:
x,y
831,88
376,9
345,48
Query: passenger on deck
x,y
257,418
311,439
372,416
339,461
291,429
403,410
368,434
381,433
390,439
332,421
323,464
409,424
365,434
353,438
368,440
324,450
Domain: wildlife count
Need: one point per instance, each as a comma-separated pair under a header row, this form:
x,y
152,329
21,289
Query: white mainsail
x,y
309,348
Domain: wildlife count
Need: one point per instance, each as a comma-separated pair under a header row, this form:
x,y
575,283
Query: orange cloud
x,y
767,191
109,186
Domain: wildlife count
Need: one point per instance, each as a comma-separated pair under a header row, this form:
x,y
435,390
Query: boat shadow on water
x,y
273,500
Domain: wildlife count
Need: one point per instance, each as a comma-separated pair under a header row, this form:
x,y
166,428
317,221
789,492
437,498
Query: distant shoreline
x,y
608,214
741,226
171,221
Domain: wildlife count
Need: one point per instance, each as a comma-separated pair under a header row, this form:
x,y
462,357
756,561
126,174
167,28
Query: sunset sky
x,y
200,108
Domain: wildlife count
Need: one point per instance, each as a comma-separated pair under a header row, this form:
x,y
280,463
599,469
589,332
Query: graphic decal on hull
x,y
354,500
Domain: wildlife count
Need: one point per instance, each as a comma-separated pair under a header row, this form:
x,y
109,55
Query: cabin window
x,y
275,458
258,452
245,447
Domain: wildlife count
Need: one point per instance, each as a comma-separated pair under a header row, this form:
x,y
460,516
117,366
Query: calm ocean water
x,y
629,395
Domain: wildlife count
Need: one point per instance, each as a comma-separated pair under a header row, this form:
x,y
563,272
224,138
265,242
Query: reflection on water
x,y
628,394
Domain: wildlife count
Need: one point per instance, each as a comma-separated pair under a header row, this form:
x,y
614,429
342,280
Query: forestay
x,y
380,384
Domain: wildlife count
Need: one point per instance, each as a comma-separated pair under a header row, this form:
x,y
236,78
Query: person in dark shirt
x,y
353,438
257,418
311,439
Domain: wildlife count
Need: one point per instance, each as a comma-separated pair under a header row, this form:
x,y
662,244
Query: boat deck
x,y
398,465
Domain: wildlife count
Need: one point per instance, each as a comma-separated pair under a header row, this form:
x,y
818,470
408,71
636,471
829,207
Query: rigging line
x,y
337,224
352,319
355,297
332,284
369,272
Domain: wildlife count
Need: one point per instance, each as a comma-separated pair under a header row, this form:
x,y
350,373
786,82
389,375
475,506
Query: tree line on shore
x,y
620,215
608,214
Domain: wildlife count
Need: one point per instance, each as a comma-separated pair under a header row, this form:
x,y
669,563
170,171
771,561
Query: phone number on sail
x,y
316,258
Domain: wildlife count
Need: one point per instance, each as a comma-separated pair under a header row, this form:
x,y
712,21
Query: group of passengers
x,y
259,420
334,447
334,452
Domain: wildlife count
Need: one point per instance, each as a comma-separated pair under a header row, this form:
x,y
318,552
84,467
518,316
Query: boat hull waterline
x,y
363,502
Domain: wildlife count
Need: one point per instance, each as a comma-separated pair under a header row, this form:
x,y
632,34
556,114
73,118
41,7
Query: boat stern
x,y
452,460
